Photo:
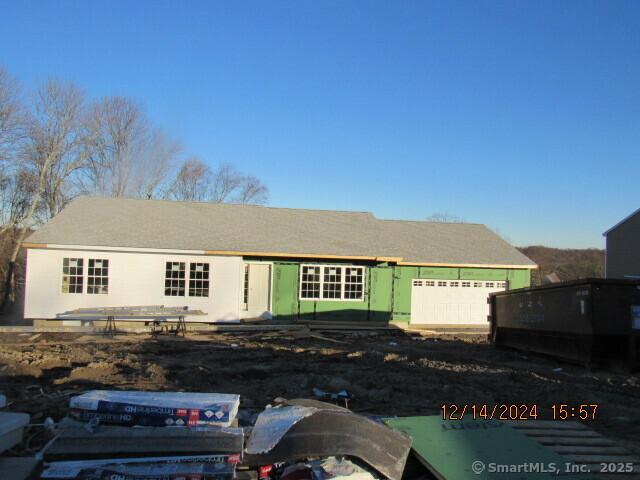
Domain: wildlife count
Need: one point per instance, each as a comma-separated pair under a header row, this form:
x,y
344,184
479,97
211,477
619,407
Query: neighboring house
x,y
242,261
622,258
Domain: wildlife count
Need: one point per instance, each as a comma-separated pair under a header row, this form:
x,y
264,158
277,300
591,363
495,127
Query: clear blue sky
x,y
521,115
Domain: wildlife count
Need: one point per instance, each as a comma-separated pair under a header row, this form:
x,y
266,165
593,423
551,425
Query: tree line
x,y
56,144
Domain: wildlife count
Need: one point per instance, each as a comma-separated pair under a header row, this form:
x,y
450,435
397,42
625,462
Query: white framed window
x,y
477,284
199,280
331,282
454,284
489,284
442,284
430,283
466,284
174,279
354,283
310,282
72,275
98,276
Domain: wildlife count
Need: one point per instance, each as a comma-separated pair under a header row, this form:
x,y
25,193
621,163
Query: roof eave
x,y
624,220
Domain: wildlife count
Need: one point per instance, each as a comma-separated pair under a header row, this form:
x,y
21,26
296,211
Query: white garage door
x,y
451,302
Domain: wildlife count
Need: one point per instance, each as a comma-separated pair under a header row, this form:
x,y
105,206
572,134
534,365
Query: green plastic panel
x,y
519,278
387,291
402,290
451,449
285,289
381,281
443,273
483,274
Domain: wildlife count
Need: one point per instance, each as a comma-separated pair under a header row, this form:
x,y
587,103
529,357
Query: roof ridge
x,y
430,222
202,202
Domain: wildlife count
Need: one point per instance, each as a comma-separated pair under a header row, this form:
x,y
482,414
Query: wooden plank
x,y
111,441
467,265
237,253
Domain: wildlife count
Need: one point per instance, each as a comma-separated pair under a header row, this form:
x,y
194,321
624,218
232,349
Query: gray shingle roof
x,y
114,222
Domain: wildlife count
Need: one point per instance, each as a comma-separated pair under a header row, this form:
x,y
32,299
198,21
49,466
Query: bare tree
x,y
226,180
443,217
54,148
118,130
11,118
154,165
252,190
192,182
127,156
50,156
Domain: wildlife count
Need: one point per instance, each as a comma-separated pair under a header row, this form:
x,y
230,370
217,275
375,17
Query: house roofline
x,y
468,265
236,253
628,217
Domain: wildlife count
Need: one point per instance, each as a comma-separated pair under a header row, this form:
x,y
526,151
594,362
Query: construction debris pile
x,y
104,407
136,435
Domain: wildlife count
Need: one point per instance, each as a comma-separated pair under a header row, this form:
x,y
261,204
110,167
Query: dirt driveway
x,y
388,373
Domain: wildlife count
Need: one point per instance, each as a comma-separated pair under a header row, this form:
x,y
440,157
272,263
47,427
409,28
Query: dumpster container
x,y
585,321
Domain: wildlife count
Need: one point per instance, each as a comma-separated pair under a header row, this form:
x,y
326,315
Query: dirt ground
x,y
388,373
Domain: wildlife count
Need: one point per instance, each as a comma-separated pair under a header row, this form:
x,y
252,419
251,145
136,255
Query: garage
x,y
451,302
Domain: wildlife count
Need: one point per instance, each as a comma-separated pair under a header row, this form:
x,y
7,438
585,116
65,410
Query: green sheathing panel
x,y
285,290
387,291
380,293
442,273
519,278
469,449
483,274
402,292
375,306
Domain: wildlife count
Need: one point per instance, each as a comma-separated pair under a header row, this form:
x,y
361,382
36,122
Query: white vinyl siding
x,y
133,279
331,282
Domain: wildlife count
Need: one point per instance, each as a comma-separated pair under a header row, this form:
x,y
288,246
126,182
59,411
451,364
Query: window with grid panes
x,y
353,283
72,275
174,279
199,280
310,282
332,283
98,276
